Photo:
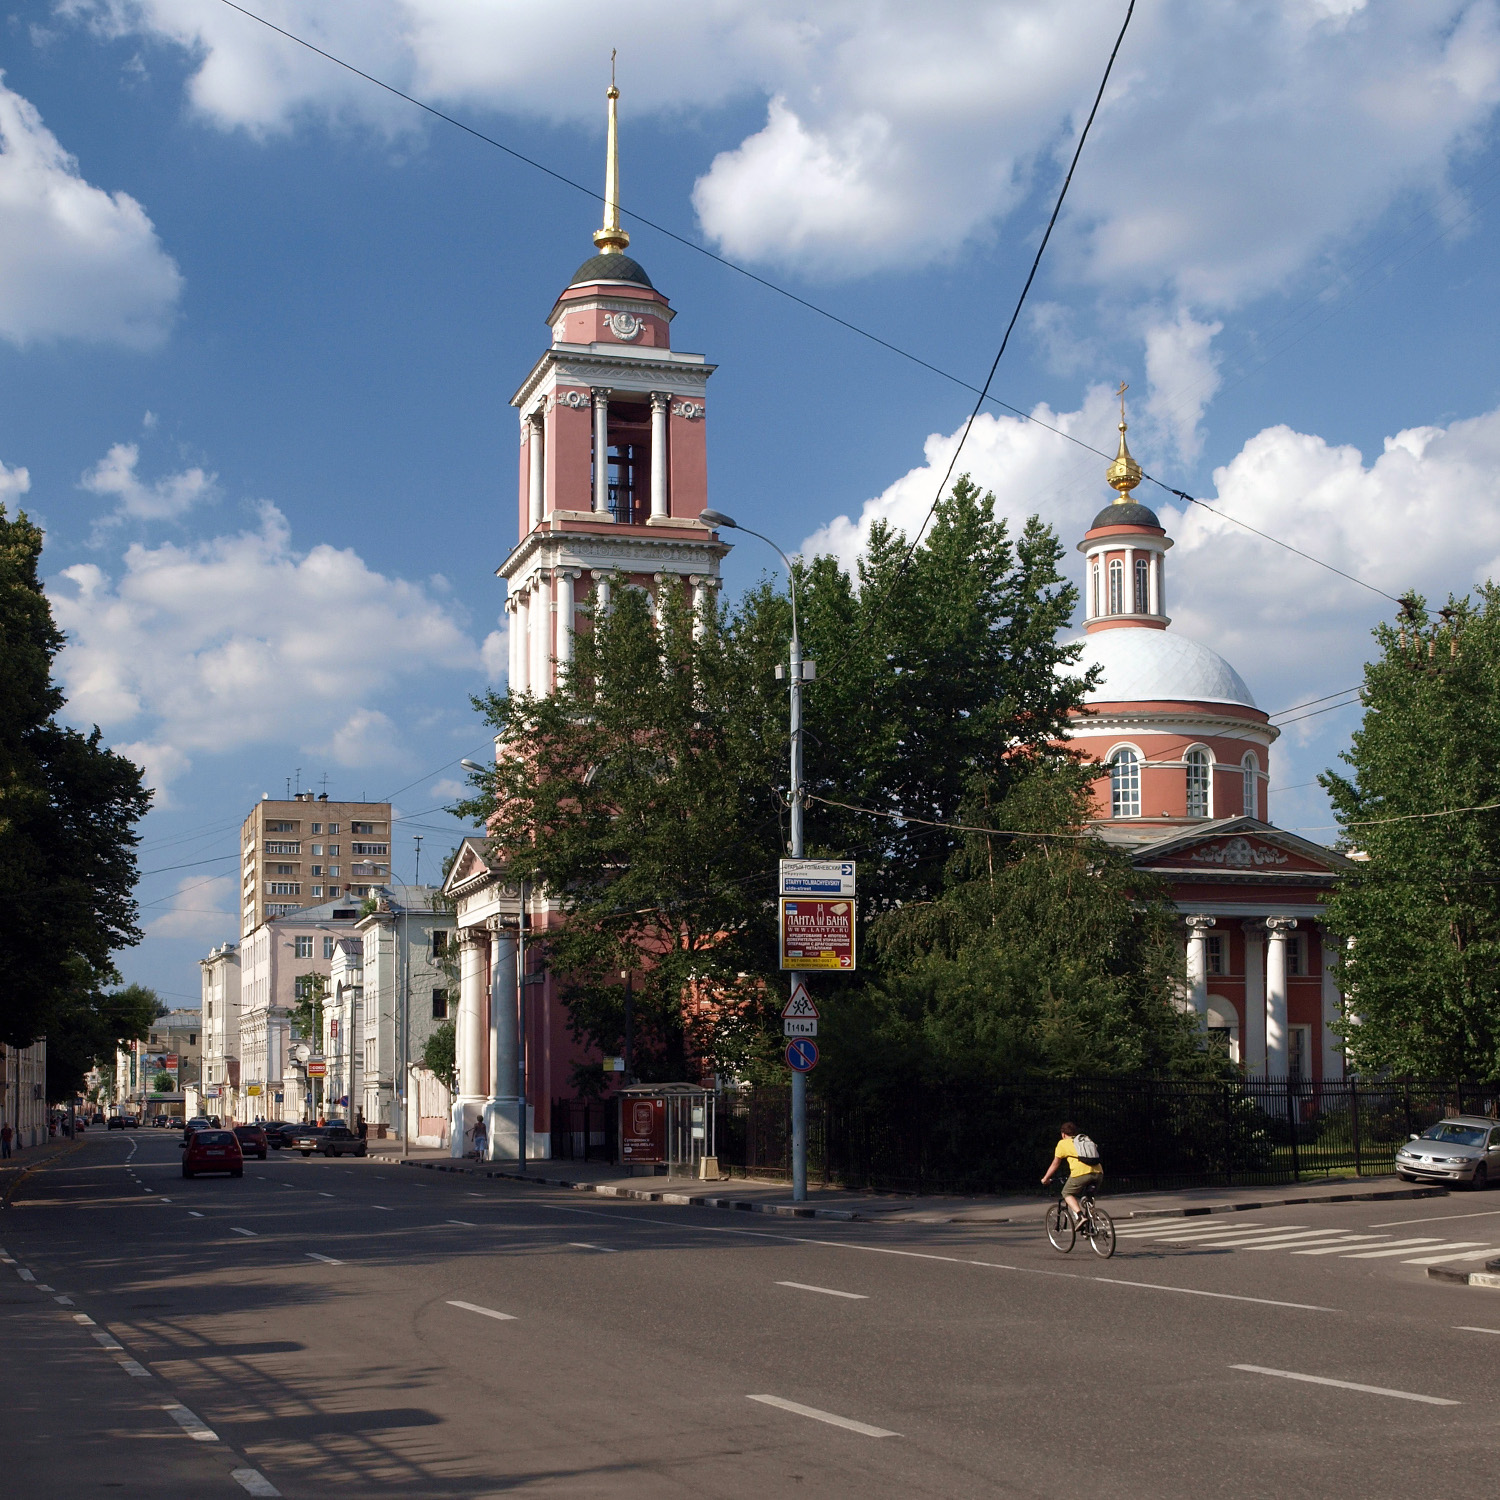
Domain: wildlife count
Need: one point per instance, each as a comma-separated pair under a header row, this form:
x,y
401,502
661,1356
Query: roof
x,y
611,267
1145,664
1130,513
1179,839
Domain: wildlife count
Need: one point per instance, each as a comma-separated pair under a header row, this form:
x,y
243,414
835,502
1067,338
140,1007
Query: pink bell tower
x,y
614,462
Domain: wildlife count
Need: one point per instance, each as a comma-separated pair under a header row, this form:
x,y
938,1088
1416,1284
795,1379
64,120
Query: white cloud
x,y
75,261
1182,375
198,909
162,763
243,640
13,483
496,654
161,500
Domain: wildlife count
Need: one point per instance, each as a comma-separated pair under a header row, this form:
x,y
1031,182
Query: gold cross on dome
x,y
1121,394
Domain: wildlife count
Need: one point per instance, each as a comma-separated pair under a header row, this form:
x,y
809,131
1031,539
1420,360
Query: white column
x,y
1255,999
501,1136
565,606
1197,964
660,402
1153,582
541,632
1129,600
1277,1051
513,632
701,596
1333,1009
601,594
601,452
537,484
469,1038
521,683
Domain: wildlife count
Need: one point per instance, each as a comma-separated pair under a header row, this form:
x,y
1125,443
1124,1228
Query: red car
x,y
252,1139
212,1151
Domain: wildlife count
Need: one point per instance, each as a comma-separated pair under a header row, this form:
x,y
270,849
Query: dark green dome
x,y
1129,514
612,267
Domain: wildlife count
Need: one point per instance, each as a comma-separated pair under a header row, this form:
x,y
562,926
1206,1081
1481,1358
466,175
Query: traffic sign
x,y
800,1007
802,1056
817,877
799,1028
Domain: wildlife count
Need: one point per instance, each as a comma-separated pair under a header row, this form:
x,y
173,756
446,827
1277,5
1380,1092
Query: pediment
x,y
1241,853
469,866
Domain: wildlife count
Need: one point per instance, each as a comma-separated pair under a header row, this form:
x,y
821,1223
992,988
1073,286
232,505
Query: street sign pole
x,y
799,1077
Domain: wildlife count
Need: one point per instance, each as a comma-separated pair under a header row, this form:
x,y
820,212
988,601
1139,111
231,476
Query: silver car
x,y
1462,1148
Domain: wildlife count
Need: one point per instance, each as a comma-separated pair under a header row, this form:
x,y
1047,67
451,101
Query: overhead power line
x,y
1324,699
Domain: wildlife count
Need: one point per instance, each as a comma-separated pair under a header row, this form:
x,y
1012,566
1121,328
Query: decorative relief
x,y
624,325
1240,853
578,400
689,410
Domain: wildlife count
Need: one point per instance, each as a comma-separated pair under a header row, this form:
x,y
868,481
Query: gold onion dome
x,y
1124,473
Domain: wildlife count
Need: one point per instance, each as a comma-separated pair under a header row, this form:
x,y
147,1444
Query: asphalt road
x,y
355,1328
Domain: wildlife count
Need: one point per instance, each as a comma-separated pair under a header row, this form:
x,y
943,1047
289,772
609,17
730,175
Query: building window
x,y
1251,767
317,828
1297,1050
281,828
304,947
1116,586
333,890
316,870
358,828
285,870
369,849
317,890
439,942
1294,964
333,869
1142,584
285,888
1216,953
333,828
440,1005
333,851
1198,783
317,849
1094,587
328,943
1125,783
283,848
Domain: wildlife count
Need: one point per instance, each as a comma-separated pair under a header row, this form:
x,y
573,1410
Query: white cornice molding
x,y
616,303
619,366
630,551
1146,721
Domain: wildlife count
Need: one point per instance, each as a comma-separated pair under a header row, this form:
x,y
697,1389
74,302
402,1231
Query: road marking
x,y
42,1286
199,1431
827,1291
1345,1244
327,1260
1437,1260
1433,1245
322,1194
83,1318
1397,1223
824,1416
131,1367
1192,1291
249,1234
1157,1230
1261,1237
166,1200
1281,1241
1348,1241
24,1274
382,1207
63,1301
463,1223
194,1214
488,1312
582,1245
148,1190
1389,1245
1348,1385
473,1195
253,1482
107,1340
1469,1328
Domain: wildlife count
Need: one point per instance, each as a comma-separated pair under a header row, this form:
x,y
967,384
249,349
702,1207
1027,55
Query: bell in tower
x,y
613,461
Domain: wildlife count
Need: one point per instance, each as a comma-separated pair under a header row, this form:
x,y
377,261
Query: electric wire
x,y
1324,699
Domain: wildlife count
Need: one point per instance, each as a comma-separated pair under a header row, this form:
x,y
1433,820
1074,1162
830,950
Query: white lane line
x,y
1433,1246
148,1190
199,1431
249,1234
463,1223
253,1482
1192,1291
1234,1241
322,1194
584,1245
1437,1260
382,1207
1348,1385
1486,1213
827,1291
1469,1328
473,1195
83,1318
488,1312
1349,1241
1388,1245
1157,1230
1369,1241
24,1274
166,1200
824,1416
42,1286
106,1340
327,1260
131,1367
194,1214
63,1301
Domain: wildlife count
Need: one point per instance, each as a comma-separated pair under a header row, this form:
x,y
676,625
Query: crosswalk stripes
x,y
1298,1239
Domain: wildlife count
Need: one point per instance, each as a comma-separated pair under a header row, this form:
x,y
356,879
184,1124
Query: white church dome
x,y
1144,664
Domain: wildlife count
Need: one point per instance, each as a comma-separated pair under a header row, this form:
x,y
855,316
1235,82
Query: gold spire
x,y
1124,473
611,239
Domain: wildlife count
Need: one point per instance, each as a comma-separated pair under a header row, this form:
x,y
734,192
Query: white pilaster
x,y
601,451
537,483
1255,999
513,635
500,1122
1277,1051
1153,582
541,633
1129,600
702,597
469,1038
1333,1009
521,682
601,594
1197,964
660,401
566,605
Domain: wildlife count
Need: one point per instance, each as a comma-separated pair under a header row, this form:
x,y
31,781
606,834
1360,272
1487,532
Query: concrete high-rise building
x,y
306,851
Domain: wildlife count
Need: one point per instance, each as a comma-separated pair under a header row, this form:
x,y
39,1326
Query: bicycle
x,y
1093,1223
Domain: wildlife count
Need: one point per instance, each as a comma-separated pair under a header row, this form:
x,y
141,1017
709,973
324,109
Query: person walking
x,y
480,1140
6,1133
362,1126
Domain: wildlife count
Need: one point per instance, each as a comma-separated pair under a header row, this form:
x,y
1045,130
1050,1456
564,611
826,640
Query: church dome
x,y
1126,513
1141,665
611,267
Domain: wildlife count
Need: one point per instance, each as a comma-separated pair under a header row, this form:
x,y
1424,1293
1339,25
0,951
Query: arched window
x,y
1252,770
1199,784
1125,784
1116,586
1096,603
1142,585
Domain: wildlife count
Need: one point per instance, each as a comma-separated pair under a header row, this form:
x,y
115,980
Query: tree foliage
x,y
85,1031
1423,908
68,810
440,1054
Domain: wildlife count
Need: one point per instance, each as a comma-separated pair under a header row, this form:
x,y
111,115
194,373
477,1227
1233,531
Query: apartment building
x,y
305,851
221,1022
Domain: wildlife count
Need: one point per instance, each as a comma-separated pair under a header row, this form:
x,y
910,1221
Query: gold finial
x,y
1124,473
611,239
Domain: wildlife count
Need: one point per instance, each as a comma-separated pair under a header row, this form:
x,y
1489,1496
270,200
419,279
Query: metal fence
x,y
1153,1133
584,1129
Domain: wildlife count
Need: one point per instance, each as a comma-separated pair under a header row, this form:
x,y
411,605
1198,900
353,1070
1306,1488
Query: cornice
x,y
636,369
631,551
1116,721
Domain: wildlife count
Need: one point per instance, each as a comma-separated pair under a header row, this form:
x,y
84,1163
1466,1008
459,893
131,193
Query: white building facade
x,y
220,1029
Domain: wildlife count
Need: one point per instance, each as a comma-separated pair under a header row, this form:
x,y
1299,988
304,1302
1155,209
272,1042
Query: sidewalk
x,y
753,1195
24,1162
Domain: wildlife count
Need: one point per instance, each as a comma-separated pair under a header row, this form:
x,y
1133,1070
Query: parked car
x,y
198,1122
99,1118
279,1133
212,1151
252,1139
331,1140
118,1122
1462,1148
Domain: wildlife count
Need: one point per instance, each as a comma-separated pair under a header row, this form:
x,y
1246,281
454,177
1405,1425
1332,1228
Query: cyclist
x,y
1083,1176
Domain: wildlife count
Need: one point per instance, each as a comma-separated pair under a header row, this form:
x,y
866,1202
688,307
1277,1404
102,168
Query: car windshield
x,y
213,1137
1455,1135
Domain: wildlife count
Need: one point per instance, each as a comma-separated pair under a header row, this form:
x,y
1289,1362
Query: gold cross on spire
x,y
1124,473
611,238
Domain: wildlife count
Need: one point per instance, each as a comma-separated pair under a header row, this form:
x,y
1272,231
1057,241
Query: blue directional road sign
x,y
802,1055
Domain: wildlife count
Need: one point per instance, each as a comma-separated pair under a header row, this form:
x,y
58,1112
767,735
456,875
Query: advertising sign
x,y
817,877
643,1130
317,1068
252,1088
817,933
169,1062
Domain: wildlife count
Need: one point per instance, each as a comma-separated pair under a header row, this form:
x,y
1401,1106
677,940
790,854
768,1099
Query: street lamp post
x,y
799,1078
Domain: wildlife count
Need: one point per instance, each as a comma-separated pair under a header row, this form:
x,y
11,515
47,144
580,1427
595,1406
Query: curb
x,y
1382,1196
1486,1277
613,1190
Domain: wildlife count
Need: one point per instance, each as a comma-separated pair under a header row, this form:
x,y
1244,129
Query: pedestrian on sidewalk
x,y
5,1138
363,1127
480,1140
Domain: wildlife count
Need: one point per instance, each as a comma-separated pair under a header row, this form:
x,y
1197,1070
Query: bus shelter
x,y
668,1127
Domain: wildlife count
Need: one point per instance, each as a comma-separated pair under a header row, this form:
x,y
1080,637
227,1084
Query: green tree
x,y
86,1030
440,1054
310,994
1423,906
68,813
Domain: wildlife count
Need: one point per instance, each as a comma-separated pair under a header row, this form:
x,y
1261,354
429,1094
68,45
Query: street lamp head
x,y
718,518
473,765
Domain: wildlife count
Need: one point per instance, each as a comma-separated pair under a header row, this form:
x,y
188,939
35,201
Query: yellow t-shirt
x,y
1077,1167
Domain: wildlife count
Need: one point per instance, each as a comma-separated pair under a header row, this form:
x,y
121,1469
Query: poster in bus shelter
x,y
817,933
643,1130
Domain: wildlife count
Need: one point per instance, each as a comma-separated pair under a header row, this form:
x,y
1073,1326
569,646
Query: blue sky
x,y
260,323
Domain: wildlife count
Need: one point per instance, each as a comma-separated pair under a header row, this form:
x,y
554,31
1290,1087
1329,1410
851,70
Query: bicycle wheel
x,y
1103,1237
1060,1228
